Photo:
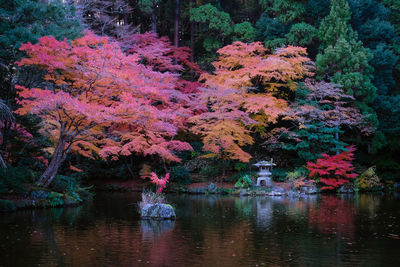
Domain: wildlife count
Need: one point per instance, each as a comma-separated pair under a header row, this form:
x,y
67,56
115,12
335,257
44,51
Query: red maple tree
x,y
333,171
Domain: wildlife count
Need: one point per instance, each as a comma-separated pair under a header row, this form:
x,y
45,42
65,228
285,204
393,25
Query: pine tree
x,y
345,61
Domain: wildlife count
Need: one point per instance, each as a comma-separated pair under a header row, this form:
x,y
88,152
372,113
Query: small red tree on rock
x,y
334,171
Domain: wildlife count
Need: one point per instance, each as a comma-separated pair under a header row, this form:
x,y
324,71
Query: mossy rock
x,y
158,212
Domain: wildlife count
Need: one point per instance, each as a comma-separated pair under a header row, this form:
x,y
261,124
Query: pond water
x,y
209,231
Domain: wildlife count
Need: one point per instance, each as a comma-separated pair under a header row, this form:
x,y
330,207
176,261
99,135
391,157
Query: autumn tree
x,y
264,79
223,125
99,100
242,94
333,171
319,114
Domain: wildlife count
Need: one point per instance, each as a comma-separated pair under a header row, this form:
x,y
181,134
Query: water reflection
x,y
332,215
151,228
209,231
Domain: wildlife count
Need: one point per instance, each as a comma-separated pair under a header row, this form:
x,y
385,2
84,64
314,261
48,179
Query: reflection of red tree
x,y
333,215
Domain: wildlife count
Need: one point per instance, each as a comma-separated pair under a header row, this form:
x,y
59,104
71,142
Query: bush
x,y
296,174
209,171
63,184
70,186
241,166
368,179
244,181
149,197
180,175
7,205
279,174
55,199
11,179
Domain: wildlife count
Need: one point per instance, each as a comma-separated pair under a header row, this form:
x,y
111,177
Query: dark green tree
x,y
23,21
287,11
344,60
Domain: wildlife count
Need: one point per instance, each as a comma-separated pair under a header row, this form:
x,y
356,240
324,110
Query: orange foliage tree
x,y
99,100
246,91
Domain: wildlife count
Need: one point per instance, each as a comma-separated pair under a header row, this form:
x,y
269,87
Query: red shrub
x,y
334,171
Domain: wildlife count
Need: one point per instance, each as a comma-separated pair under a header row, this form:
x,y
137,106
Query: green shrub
x,y
70,186
241,166
279,174
63,184
11,179
180,175
209,171
244,181
296,174
55,199
7,205
368,179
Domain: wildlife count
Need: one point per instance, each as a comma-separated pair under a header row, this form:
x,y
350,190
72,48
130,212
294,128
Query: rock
x,y
260,193
158,212
277,191
294,194
244,192
199,190
39,194
212,188
346,189
309,190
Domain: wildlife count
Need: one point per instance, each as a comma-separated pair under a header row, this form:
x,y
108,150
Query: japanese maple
x,y
222,126
333,171
241,93
161,183
100,100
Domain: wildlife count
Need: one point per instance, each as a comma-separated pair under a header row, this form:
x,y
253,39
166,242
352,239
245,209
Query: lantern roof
x,y
265,163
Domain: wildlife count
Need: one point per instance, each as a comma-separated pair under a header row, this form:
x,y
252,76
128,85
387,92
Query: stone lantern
x,y
265,172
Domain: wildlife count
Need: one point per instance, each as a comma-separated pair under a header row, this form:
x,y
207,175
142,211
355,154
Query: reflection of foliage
x,y
333,215
243,206
151,228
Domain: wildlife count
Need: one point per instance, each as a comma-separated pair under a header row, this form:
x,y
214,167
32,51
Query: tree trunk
x,y
57,159
192,29
176,24
129,167
223,166
337,139
192,41
154,20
